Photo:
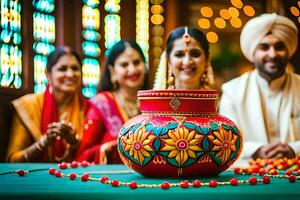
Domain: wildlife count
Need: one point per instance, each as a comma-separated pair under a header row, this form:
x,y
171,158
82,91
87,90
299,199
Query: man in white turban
x,y
265,103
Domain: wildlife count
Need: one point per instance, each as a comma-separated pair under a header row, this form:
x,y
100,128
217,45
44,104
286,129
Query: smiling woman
x,y
116,102
46,127
186,64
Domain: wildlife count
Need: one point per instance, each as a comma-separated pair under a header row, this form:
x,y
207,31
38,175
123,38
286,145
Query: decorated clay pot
x,y
179,134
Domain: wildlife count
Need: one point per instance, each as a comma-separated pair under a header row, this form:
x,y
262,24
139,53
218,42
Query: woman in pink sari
x,y
116,102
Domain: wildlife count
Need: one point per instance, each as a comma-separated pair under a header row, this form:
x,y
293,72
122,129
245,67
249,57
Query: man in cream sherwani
x,y
265,103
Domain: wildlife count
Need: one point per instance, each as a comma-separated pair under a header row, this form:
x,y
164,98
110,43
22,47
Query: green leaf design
x,y
199,153
173,162
205,144
214,126
235,130
217,160
189,162
121,149
157,131
123,131
156,144
133,128
189,125
149,127
226,127
203,130
131,158
148,159
232,155
237,144
164,153
172,125
164,130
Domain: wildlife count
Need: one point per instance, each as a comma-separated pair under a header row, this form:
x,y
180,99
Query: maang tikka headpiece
x,y
186,37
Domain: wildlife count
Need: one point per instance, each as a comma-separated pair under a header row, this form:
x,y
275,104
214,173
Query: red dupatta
x,y
49,115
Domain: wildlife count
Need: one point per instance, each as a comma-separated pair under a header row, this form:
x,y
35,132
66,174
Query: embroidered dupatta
x,y
102,125
33,114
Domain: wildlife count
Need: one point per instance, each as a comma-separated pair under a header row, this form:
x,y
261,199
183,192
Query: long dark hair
x,y
59,52
105,83
193,32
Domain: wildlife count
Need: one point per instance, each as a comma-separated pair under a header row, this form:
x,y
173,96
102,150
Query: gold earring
x,y
170,81
204,83
114,83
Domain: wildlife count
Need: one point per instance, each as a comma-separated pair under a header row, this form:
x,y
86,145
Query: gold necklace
x,y
130,107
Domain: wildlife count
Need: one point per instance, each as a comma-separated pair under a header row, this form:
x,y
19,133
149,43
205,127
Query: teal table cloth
x,y
39,184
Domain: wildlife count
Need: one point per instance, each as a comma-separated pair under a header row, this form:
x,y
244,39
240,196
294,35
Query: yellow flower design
x,y
138,144
224,143
182,144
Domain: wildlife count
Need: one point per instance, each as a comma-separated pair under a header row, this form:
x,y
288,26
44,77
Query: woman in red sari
x,y
116,102
46,127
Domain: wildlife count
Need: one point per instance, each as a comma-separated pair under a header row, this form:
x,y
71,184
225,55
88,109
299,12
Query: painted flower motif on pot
x,y
138,144
223,143
182,144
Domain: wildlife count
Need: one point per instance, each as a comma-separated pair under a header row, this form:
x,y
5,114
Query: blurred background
x,y
31,29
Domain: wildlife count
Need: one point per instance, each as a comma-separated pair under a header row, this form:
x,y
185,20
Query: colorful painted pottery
x,y
179,134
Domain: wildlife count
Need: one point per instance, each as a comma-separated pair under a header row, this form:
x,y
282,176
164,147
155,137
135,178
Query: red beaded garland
x,y
115,183
51,171
184,184
213,183
165,185
85,177
266,179
196,183
21,172
58,174
133,185
72,176
234,181
104,179
253,180
292,178
267,169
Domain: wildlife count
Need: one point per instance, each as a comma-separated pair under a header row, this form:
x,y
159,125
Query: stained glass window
x,y
112,23
90,46
10,41
44,38
142,25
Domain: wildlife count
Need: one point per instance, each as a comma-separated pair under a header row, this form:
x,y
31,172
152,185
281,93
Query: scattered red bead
x,y
72,176
63,165
273,172
266,179
58,174
133,185
213,183
262,171
74,164
234,181
84,164
184,184
51,171
85,177
165,185
196,183
21,172
288,172
292,178
104,179
115,183
253,180
237,170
